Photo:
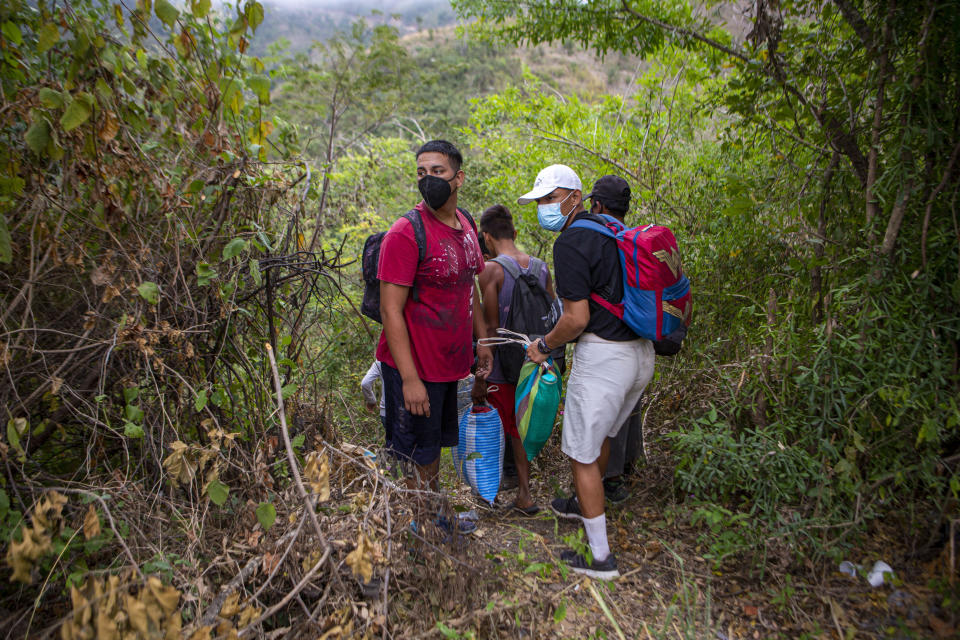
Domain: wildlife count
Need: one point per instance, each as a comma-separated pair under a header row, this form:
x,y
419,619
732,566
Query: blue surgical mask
x,y
550,216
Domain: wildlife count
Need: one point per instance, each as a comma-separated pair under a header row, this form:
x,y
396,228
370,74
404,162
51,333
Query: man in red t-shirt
x,y
431,311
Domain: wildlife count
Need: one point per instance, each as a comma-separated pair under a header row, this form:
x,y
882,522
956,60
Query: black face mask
x,y
435,191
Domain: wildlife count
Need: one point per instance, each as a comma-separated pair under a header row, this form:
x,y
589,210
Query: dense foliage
x,y
811,167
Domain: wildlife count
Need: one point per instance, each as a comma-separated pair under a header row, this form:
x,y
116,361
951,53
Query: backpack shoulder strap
x,y
508,265
419,232
537,267
594,223
469,218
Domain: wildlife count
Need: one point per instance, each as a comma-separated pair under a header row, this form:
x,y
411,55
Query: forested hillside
x,y
185,190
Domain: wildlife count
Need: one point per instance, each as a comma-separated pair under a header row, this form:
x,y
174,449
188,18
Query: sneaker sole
x,y
610,574
568,516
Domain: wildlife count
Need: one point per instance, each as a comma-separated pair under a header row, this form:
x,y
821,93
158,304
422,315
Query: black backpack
x,y
370,306
532,312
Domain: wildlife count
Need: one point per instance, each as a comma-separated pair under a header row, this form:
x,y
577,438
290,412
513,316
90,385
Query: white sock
x,y
597,536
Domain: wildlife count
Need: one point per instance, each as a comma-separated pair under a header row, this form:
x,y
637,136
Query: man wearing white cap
x,y
611,365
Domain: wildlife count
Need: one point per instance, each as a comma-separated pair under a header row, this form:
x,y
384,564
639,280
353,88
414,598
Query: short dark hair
x,y
498,222
617,207
446,148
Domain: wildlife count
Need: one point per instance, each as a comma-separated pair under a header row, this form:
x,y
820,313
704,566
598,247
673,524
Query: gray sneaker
x,y
600,569
567,508
615,491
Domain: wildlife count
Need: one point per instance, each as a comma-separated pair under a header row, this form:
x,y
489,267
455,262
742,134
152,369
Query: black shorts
x,y
419,438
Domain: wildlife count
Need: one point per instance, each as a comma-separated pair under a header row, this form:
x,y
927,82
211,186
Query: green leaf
x,y
132,430
254,13
6,250
205,274
266,515
561,612
298,441
218,493
149,291
234,248
255,273
50,98
260,85
11,186
474,455
219,397
167,13
12,32
201,400
13,435
200,8
47,36
130,394
103,89
4,504
132,413
78,111
288,390
38,136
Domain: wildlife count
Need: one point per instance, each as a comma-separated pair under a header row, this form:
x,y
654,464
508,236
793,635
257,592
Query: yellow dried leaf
x,y
231,607
334,632
109,294
248,615
179,463
101,276
317,472
48,512
137,613
166,596
112,593
203,633
360,560
310,560
91,523
225,631
106,626
173,627
21,556
109,127
69,631
81,609
154,614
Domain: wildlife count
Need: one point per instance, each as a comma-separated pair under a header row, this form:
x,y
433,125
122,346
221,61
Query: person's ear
x,y
459,178
514,234
577,198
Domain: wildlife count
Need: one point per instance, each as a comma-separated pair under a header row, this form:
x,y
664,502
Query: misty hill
x,y
301,24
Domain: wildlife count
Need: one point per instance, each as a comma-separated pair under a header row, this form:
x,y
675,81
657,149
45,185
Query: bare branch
x,y
857,23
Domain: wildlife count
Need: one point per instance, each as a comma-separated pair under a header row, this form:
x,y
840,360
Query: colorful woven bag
x,y
537,402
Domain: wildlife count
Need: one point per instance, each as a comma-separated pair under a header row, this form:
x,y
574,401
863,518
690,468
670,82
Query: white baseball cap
x,y
556,175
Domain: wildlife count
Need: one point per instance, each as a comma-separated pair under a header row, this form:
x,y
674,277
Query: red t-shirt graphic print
x,y
440,316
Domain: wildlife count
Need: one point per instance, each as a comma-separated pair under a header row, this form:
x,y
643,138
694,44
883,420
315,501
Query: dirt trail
x,y
667,588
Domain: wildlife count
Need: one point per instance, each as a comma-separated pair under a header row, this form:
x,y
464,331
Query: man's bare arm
x,y
393,297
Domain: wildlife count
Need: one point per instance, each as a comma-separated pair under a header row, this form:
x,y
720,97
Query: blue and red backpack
x,y
656,294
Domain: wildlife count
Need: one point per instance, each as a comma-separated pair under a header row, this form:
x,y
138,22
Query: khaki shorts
x,y
606,381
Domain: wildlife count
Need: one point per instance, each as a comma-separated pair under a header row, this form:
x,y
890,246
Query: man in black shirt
x,y
611,196
611,365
